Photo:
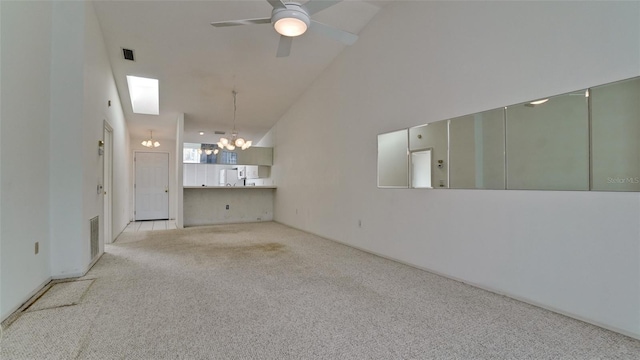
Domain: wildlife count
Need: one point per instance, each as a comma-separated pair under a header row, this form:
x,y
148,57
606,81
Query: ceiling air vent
x,y
218,132
128,54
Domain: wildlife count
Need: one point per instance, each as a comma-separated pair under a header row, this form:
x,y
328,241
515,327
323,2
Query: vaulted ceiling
x,y
199,65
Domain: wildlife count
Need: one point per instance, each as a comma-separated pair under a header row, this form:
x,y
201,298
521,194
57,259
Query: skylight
x,y
144,95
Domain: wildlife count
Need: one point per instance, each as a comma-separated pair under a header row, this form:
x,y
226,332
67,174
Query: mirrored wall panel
x,y
476,151
197,153
548,144
393,162
615,136
583,140
421,164
429,143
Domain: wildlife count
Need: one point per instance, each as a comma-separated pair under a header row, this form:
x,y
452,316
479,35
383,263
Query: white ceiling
x,y
198,65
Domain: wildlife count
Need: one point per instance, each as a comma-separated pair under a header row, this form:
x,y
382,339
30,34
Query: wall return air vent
x,y
128,54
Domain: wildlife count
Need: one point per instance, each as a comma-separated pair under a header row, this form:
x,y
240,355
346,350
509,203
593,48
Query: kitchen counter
x,y
210,205
231,187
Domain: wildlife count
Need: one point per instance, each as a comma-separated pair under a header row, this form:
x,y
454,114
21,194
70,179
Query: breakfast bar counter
x,y
211,205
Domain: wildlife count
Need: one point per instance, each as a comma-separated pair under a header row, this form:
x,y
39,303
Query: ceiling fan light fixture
x,y
292,21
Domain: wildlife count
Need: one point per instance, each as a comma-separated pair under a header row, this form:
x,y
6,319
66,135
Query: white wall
x,y
166,146
1,308
179,205
66,158
55,95
24,144
99,89
418,62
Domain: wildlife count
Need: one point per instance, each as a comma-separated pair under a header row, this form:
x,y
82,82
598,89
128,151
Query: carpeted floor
x,y
266,291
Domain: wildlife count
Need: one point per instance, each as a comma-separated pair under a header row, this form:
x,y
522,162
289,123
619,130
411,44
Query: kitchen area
x,y
226,186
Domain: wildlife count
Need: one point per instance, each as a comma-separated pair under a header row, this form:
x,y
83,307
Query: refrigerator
x,y
230,178
252,172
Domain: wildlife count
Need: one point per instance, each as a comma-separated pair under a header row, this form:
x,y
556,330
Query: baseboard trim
x,y
120,233
79,274
483,287
27,300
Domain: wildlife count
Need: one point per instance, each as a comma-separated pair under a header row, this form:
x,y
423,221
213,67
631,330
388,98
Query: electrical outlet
x,y
37,248
227,207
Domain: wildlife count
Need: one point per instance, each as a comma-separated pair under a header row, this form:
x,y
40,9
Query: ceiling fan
x,y
291,19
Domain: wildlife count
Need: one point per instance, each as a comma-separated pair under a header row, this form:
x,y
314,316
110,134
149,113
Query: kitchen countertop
x,y
231,187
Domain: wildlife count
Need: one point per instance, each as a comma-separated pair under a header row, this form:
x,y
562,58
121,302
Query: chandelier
x,y
150,143
234,141
207,150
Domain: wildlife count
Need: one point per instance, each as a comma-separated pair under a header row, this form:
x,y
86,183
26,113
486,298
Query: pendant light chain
x,y
235,141
235,107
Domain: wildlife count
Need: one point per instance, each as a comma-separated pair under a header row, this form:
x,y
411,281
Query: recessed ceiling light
x,y
144,95
201,132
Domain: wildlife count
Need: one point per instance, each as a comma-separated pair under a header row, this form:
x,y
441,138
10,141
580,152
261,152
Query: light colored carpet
x,y
266,291
62,294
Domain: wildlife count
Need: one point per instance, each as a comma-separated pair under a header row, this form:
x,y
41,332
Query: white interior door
x,y
151,186
107,183
421,169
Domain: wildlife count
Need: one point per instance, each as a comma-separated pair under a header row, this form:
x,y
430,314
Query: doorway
x,y
421,169
107,182
151,185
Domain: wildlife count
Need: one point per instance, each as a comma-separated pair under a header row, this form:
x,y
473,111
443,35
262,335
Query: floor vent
x,y
94,225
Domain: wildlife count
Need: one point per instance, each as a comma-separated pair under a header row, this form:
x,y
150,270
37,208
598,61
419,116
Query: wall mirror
x,y
393,164
615,136
548,143
200,153
430,140
476,151
421,164
583,140
197,153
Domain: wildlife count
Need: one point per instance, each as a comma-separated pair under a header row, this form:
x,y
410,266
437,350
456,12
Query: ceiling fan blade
x,y
284,46
276,4
241,22
314,6
336,34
